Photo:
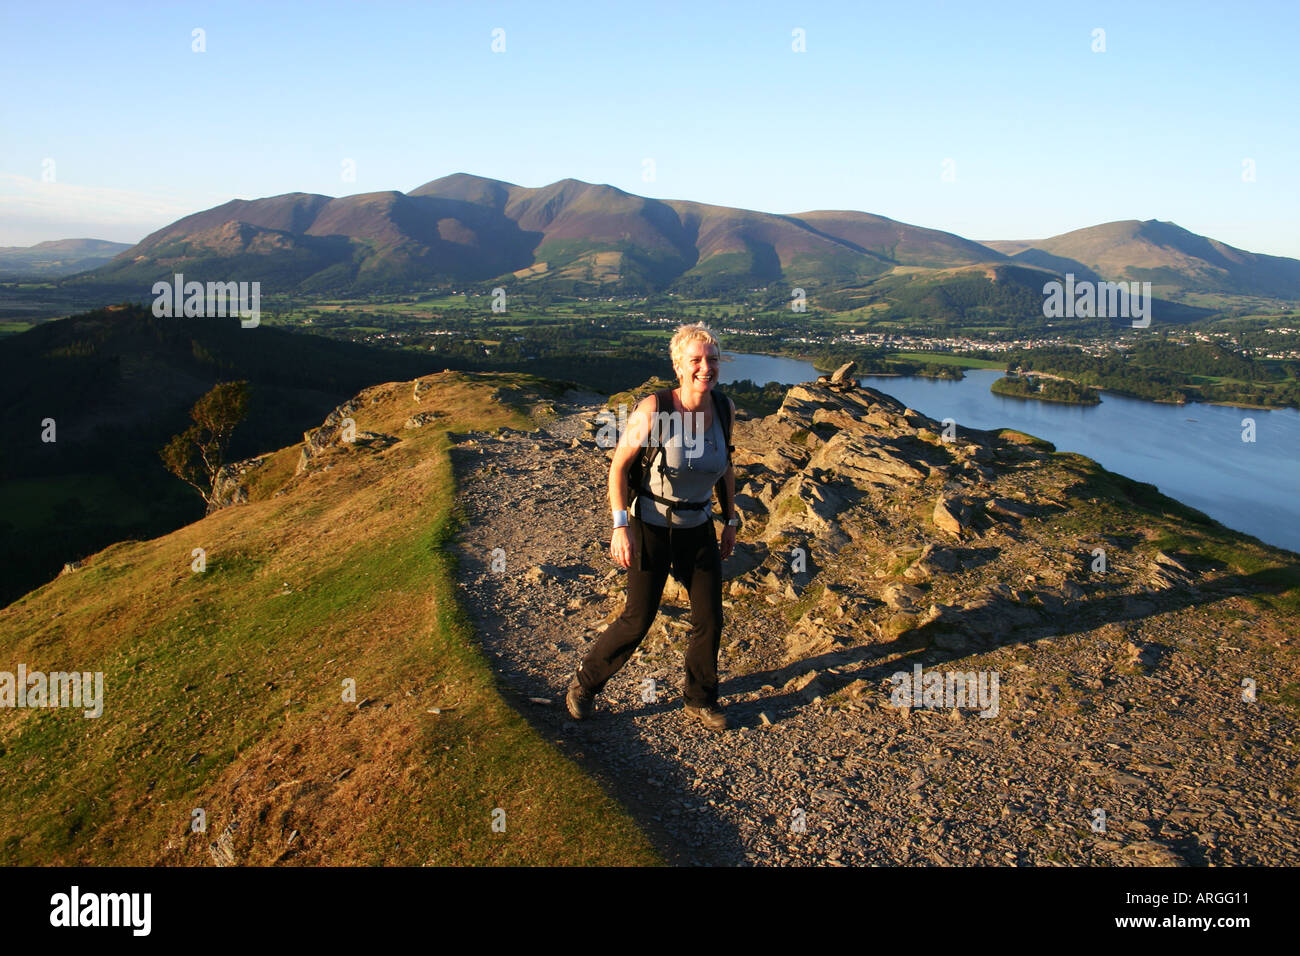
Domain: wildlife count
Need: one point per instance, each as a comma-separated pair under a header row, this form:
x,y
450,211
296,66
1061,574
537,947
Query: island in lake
x,y
1045,389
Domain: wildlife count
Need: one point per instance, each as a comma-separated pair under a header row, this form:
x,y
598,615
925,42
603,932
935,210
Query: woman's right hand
x,y
620,548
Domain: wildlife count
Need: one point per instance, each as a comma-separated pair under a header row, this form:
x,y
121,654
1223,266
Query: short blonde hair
x,y
686,335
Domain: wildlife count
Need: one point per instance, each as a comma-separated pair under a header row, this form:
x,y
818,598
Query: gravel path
x,y
1184,772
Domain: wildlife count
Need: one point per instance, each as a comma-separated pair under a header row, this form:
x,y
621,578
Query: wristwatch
x,y
734,521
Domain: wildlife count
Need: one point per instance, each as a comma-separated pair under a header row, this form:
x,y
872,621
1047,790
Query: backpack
x,y
639,469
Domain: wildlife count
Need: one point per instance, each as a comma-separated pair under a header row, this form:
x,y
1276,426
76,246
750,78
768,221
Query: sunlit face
x,y
698,369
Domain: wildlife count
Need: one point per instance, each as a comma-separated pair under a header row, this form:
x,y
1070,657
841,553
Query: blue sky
x,y
1044,134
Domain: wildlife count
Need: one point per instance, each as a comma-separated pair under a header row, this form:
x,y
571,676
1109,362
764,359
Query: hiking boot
x,y
580,701
711,716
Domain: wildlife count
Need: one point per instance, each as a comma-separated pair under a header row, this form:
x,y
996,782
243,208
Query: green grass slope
x,y
224,689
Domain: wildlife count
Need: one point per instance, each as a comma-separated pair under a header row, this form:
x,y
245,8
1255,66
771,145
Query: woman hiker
x,y
672,527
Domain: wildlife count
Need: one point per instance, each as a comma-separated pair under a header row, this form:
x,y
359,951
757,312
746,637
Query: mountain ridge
x,y
466,228
1171,257
471,227
974,554
58,257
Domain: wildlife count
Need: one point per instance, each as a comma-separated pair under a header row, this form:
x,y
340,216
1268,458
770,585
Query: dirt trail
x,y
1137,714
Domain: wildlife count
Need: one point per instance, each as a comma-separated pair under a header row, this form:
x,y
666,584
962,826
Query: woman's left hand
x,y
728,541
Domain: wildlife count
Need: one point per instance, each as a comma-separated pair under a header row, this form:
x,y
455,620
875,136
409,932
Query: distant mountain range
x,y
1162,253
469,229
59,257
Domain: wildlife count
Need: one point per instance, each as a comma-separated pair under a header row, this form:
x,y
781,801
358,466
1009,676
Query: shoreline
x,y
1098,388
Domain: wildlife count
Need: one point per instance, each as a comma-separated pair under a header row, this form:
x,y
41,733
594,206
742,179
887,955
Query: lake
x,y
1192,452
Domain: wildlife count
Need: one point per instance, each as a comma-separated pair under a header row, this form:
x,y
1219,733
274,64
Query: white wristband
x,y
620,519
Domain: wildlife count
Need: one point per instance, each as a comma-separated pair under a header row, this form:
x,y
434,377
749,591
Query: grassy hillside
x,y
224,688
1170,257
119,383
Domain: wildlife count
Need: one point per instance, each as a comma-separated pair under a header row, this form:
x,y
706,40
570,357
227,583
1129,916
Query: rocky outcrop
x,y
807,508
951,515
328,434
866,461
231,487
421,419
843,377
340,428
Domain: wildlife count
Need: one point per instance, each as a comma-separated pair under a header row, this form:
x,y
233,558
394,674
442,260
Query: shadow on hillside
x,y
856,663
644,781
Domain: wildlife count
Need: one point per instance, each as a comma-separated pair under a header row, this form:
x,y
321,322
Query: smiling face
x,y
698,369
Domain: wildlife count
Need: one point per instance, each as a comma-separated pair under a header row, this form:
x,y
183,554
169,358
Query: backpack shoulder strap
x,y
651,449
722,408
